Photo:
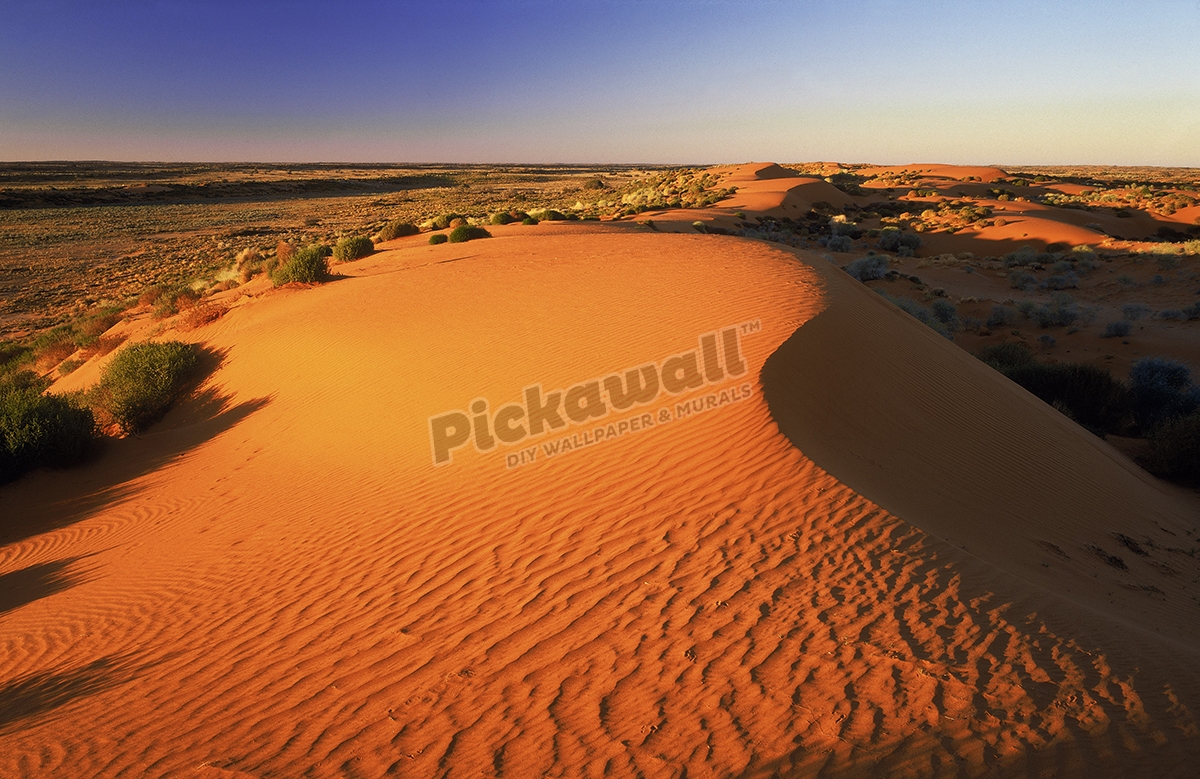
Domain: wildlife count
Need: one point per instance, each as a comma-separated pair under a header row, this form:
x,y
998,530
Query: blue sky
x,y
677,81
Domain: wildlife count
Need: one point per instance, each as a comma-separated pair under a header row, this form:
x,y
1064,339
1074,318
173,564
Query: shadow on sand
x,y
37,694
50,499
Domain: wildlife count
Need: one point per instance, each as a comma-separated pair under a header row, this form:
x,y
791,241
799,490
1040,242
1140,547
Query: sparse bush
x,y
437,238
1116,329
839,243
1047,341
889,239
1022,280
1134,311
397,229
1161,389
1002,316
142,381
919,312
310,265
946,313
1026,255
354,248
38,430
868,268
1068,280
464,233
1171,315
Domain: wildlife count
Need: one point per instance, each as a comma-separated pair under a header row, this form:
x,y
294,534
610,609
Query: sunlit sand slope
x,y
277,581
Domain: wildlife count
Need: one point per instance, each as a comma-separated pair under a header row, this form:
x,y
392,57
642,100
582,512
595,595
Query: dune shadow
x,y
33,696
51,499
38,581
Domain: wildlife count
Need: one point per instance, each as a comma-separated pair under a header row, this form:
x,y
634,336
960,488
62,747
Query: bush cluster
x,y
354,248
142,381
40,430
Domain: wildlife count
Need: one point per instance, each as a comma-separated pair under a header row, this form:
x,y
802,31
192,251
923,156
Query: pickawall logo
x,y
717,358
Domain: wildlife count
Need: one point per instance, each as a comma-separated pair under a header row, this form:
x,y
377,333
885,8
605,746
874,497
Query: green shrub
x,y
397,229
464,233
39,430
502,218
354,248
529,220
437,238
309,265
142,381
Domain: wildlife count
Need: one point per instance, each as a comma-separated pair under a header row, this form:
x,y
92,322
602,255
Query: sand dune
x,y
863,555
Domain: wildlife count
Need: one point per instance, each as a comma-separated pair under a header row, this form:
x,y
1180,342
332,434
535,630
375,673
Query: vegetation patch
x,y
354,248
464,233
141,382
309,266
40,430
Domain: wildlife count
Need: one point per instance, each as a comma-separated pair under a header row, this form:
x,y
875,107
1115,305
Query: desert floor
x,y
859,553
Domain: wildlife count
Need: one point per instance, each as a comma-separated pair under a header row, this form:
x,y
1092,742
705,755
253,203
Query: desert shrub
x,y
946,313
1174,451
550,215
397,229
502,218
889,239
1134,311
919,312
39,430
868,268
437,238
464,233
1068,280
1061,311
353,248
1159,390
910,241
1192,311
142,381
1022,280
284,251
202,315
1047,340
53,346
1026,255
529,220
310,265
849,229
1088,394
1116,329
1001,316
1004,357
443,221
839,243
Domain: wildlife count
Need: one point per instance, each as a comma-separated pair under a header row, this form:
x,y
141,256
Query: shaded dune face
x,y
298,590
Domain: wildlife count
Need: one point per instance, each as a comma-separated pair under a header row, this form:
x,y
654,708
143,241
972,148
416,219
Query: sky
x,y
602,81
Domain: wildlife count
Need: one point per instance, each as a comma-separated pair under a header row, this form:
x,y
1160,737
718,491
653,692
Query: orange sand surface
x,y
869,555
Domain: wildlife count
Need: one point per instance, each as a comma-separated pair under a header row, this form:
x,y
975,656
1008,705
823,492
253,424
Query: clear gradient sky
x,y
671,81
